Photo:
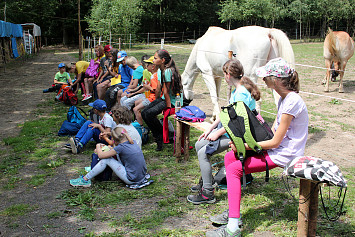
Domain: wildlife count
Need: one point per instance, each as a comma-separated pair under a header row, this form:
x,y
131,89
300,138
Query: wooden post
x,y
80,36
308,208
230,55
186,142
119,44
178,140
313,210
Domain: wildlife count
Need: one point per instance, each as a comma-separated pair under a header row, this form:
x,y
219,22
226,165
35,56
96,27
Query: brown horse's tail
x,y
332,39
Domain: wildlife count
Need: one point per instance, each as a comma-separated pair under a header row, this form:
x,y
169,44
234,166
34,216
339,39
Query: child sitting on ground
x,y
61,78
92,130
125,159
123,118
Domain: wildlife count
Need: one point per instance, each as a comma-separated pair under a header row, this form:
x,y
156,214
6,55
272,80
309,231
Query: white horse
x,y
254,46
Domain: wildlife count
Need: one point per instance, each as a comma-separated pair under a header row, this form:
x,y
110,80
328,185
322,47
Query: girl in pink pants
x,y
290,130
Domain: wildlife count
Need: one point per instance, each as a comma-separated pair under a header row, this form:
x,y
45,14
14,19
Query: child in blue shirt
x,y
92,130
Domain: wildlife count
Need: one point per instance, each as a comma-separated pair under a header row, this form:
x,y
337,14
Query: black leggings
x,y
149,115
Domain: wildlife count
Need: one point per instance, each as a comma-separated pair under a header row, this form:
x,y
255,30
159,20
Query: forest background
x,y
127,19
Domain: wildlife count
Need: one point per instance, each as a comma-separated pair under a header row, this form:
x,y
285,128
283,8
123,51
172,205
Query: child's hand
x,y
94,125
212,137
231,145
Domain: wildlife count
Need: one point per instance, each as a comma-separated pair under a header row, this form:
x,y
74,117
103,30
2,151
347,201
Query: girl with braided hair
x,y
169,86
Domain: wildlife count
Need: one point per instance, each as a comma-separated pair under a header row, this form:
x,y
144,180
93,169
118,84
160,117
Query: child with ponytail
x,y
215,140
125,159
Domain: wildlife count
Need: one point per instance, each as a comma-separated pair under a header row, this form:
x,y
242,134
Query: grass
x,y
154,210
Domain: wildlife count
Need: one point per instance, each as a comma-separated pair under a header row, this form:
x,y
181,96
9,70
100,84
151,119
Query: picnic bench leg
x,y
178,140
308,208
313,210
186,142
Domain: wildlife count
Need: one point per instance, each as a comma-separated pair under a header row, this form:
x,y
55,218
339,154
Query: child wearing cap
x,y
61,78
135,89
92,130
126,74
290,135
148,86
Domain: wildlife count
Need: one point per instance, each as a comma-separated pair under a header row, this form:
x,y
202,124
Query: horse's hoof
x,y
326,90
341,91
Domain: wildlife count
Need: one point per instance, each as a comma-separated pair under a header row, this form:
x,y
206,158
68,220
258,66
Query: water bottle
x,y
177,103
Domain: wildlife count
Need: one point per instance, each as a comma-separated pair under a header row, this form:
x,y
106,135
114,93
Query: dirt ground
x,y
21,91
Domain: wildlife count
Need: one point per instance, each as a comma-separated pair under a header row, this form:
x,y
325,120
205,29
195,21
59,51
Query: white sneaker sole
x,y
74,150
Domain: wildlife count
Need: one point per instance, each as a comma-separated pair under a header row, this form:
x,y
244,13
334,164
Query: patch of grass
x,y
55,215
87,213
39,179
17,210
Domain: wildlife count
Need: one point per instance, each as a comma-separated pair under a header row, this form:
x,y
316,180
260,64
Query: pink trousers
x,y
234,174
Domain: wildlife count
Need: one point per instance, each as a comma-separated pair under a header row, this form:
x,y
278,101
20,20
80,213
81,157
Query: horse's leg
x,y
342,69
218,81
327,76
211,85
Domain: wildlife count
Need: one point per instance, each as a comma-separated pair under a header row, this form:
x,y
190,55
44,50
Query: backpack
x,y
67,96
92,69
144,132
245,126
105,175
171,130
74,122
191,113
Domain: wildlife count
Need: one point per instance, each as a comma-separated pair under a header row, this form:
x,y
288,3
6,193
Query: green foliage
x,y
17,210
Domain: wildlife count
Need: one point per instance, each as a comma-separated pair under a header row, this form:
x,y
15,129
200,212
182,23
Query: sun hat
x,y
61,65
277,67
107,48
99,105
121,55
149,60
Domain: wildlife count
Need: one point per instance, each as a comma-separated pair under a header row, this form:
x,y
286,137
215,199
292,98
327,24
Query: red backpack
x,y
67,96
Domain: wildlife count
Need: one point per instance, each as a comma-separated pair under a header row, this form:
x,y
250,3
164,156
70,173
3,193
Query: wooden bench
x,y
182,133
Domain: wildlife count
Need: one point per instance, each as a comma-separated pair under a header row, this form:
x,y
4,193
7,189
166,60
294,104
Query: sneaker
x,y
159,142
223,231
87,97
67,146
222,219
197,188
84,97
76,146
204,196
80,182
45,90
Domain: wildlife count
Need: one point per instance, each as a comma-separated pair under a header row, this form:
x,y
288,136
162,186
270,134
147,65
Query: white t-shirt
x,y
107,121
294,142
133,133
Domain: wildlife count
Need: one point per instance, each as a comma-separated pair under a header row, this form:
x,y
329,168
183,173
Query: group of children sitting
x,y
121,85
154,90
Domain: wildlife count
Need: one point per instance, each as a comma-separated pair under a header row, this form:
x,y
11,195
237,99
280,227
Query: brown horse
x,y
338,49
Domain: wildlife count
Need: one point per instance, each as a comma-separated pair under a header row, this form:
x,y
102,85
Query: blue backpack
x,y
191,113
74,121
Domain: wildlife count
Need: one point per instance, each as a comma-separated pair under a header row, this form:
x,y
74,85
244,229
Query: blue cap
x,y
61,65
121,55
99,105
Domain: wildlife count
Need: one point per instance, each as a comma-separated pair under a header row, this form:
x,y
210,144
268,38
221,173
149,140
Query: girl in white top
x,y
290,135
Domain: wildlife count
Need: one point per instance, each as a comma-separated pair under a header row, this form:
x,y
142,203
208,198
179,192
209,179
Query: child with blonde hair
x,y
125,159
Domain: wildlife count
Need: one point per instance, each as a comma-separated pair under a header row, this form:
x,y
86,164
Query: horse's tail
x,y
284,46
331,42
190,73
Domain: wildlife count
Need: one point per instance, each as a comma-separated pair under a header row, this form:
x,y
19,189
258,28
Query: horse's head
x,y
335,73
187,84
